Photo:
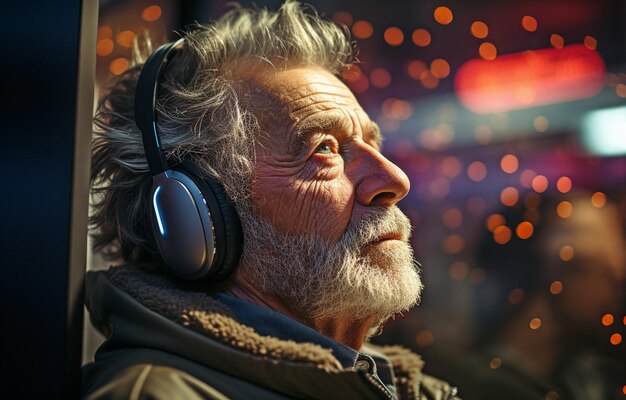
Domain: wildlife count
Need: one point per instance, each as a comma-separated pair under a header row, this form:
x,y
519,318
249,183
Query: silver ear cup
x,y
182,225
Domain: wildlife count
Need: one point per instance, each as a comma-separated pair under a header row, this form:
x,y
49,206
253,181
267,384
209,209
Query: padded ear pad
x,y
228,232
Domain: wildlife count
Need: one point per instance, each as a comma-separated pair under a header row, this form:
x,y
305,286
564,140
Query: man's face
x,y
326,235
319,167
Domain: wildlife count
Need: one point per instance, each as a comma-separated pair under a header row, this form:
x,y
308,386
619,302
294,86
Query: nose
x,y
381,182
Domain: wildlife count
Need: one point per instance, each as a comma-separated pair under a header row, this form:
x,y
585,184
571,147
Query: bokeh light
x,y
479,29
590,42
556,287
443,15
509,196
477,171
529,23
598,199
564,184
557,41
421,37
452,218
535,323
126,38
502,234
616,339
104,47
362,29
415,69
394,36
380,77
487,51
458,270
526,178
566,253
453,244
495,363
493,221
118,66
439,68
151,13
343,17
541,124
564,209
539,184
608,319
424,338
451,167
524,230
509,163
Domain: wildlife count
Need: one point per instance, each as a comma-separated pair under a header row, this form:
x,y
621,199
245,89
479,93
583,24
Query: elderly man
x,y
243,187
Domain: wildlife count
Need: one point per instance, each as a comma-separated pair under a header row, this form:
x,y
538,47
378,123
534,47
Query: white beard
x,y
352,278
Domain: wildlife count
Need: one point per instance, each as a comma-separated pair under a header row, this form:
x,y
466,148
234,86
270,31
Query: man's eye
x,y
324,149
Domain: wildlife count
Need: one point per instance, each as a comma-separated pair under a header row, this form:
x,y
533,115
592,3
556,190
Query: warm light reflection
x,y
509,163
421,37
608,319
394,36
557,41
352,74
105,32
151,13
529,23
564,184
453,244
443,15
477,171
524,230
616,339
452,218
502,234
493,221
479,29
362,29
509,196
424,338
451,167
564,209
598,199
428,80
526,178
535,323
556,287
539,184
487,51
380,78
566,253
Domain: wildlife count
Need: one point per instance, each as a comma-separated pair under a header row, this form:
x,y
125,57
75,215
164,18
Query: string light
x,y
607,319
616,339
151,13
598,199
118,66
439,68
539,183
509,196
509,163
104,47
524,230
487,51
535,324
493,221
566,253
479,29
564,209
415,69
557,41
556,287
526,178
564,184
590,42
495,363
126,38
502,234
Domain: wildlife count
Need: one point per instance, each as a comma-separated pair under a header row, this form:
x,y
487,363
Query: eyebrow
x,y
371,132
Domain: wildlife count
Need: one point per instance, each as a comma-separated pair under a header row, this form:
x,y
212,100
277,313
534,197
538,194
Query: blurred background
x,y
509,117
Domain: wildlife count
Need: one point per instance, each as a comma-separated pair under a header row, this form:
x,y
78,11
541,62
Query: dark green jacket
x,y
169,341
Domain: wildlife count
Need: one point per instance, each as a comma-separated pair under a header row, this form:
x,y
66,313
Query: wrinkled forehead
x,y
301,99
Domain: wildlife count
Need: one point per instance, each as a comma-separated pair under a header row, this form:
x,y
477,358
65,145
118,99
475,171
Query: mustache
x,y
377,223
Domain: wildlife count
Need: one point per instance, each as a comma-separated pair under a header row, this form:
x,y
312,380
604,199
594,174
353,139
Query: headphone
x,y
196,227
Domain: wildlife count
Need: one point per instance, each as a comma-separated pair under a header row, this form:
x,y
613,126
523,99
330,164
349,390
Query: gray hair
x,y
202,117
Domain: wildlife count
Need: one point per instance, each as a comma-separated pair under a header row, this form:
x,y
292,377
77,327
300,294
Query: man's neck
x,y
344,330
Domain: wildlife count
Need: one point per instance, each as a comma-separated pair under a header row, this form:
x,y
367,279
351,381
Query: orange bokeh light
x,y
105,32
487,51
524,230
557,41
479,29
608,319
104,47
343,17
452,218
502,234
590,42
362,29
477,171
509,163
380,78
566,253
493,221
529,23
352,74
439,68
509,196
453,244
118,66
564,209
495,363
151,13
443,15
539,184
415,69
535,323
126,38
526,178
616,339
459,270
556,287
598,199
394,36
564,184
428,80
421,37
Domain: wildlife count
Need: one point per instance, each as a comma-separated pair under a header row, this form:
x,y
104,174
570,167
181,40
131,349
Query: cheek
x,y
317,202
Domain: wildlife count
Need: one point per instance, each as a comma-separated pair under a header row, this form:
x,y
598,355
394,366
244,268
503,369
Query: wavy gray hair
x,y
202,116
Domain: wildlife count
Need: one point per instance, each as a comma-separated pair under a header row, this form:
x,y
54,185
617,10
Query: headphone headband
x,y
146,116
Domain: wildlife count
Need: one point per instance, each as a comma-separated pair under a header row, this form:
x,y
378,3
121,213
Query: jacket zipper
x,y
380,386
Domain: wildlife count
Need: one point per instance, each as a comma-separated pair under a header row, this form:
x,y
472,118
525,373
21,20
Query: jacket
x,y
171,340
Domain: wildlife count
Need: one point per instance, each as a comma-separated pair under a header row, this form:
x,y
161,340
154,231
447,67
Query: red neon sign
x,y
529,79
